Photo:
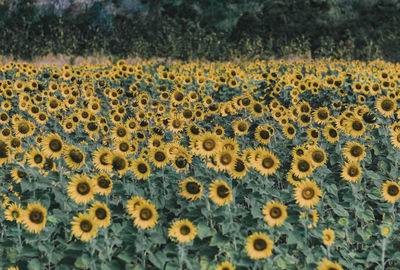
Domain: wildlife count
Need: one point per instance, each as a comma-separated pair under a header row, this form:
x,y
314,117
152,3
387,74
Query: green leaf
x,y
35,264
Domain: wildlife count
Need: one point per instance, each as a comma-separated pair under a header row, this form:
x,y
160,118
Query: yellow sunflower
x,y
191,189
182,231
145,215
259,246
34,217
74,157
52,145
274,213
307,194
101,214
84,227
326,264
351,171
220,192
354,151
80,189
14,212
141,169
328,237
391,191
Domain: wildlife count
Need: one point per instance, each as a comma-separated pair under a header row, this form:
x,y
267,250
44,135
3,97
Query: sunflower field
x,y
200,165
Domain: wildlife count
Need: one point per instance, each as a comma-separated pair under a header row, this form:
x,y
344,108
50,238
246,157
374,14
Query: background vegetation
x,y
210,29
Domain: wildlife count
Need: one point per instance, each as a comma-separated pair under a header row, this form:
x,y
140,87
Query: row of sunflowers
x,y
256,165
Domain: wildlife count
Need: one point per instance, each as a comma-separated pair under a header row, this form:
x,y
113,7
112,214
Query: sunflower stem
x,y
383,254
181,252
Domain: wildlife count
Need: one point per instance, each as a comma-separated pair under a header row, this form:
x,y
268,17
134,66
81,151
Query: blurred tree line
x,y
209,29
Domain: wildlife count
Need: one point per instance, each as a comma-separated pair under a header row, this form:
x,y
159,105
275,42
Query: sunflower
x,y
317,156
182,231
191,189
101,214
331,134
34,217
118,162
239,168
302,167
35,158
321,115
145,215
307,194
240,127
351,171
328,237
74,157
159,157
102,184
262,135
289,131
224,159
391,191
225,266
14,212
259,246
354,127
220,192
84,227
133,203
208,144
267,163
141,169
386,106
52,145
274,213
101,159
326,264
80,189
18,175
354,151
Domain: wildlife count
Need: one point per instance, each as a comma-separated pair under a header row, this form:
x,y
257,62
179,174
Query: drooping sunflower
x,y
101,214
391,191
102,184
328,237
351,171
14,212
220,192
317,156
80,189
267,163
302,167
386,106
52,145
191,189
141,169
84,227
182,231
274,213
225,266
307,194
145,215
326,264
259,246
34,217
354,151
74,157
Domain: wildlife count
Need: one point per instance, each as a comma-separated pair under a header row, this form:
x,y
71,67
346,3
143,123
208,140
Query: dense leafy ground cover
x,y
258,165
